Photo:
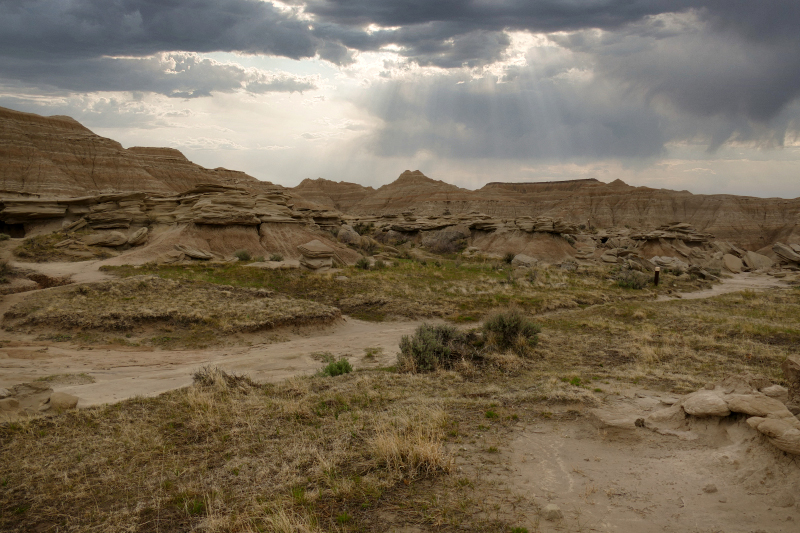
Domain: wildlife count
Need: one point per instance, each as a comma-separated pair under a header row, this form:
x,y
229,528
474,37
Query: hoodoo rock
x,y
316,255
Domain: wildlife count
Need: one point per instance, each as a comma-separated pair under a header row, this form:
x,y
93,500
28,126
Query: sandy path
x,y
122,374
735,283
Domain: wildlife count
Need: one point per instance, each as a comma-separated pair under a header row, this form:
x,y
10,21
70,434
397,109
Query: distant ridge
x,y
748,221
54,156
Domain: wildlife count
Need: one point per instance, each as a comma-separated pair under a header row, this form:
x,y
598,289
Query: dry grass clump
x,y
225,454
126,303
440,346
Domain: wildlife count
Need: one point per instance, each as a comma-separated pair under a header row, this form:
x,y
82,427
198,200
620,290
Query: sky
x,y
701,96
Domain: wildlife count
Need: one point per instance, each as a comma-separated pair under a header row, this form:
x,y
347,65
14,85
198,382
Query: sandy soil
x,y
606,474
733,283
121,373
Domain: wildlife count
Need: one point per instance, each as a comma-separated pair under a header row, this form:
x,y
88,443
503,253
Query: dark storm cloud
x,y
529,118
661,70
39,29
177,74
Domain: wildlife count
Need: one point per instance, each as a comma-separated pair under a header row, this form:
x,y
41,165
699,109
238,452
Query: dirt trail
x,y
734,283
125,373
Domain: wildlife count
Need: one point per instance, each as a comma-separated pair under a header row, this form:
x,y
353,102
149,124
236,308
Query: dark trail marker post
x,y
655,278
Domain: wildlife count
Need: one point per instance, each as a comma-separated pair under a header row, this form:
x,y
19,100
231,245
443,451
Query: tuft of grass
x,y
335,368
433,347
631,279
511,330
242,255
508,257
363,263
4,237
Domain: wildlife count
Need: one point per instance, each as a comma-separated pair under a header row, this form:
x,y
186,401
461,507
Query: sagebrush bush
x,y
511,329
363,263
630,279
276,257
336,368
508,257
242,255
432,347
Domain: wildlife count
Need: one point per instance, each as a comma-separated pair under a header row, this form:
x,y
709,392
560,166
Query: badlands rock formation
x,y
55,173
750,223
763,403
57,156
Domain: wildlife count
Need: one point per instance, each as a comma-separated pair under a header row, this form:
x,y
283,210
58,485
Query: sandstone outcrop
x,y
751,223
316,255
57,156
752,396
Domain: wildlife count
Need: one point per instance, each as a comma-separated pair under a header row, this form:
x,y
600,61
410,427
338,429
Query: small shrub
x,y
4,237
510,329
508,257
363,263
5,270
276,257
569,238
259,259
336,368
432,347
242,255
630,279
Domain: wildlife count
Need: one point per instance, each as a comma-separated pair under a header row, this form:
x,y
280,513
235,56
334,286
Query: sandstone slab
x,y
705,403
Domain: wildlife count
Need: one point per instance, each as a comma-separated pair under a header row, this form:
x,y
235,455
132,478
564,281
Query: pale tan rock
x,y
552,512
705,403
194,253
524,261
777,392
111,238
786,252
9,404
348,235
755,404
757,261
62,400
315,249
138,237
732,263
781,433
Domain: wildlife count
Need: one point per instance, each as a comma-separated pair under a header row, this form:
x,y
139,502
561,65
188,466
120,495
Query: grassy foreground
x,y
368,451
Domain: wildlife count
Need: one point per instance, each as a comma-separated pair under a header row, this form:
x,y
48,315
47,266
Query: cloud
x,y
176,74
205,143
91,28
531,117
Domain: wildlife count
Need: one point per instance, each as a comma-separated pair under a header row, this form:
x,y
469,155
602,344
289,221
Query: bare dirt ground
x,y
606,474
125,373
734,283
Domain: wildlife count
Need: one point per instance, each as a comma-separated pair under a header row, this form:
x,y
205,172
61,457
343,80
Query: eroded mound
x,y
127,303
